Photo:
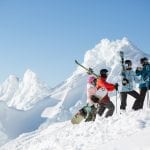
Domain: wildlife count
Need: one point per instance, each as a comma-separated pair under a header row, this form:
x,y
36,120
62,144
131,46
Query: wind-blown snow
x,y
64,100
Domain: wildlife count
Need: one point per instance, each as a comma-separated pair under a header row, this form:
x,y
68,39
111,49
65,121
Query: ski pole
x,y
116,102
147,93
148,101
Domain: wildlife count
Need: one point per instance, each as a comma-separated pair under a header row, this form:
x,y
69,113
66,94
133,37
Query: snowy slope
x,y
120,132
65,99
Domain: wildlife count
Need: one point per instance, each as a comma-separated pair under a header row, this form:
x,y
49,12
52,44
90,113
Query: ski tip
x,y
76,61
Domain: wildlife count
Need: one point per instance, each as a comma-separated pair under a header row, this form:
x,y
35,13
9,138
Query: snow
x,y
32,116
8,88
17,122
3,137
120,132
23,94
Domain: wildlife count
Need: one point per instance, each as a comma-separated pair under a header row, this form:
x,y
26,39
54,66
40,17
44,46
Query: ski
x,y
87,69
124,80
121,53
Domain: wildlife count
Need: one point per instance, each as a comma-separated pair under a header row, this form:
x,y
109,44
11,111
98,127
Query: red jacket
x,y
101,82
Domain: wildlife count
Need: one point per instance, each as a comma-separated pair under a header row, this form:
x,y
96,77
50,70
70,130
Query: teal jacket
x,y
145,76
130,75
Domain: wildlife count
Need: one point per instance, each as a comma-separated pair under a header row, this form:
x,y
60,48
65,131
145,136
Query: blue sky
x,y
47,35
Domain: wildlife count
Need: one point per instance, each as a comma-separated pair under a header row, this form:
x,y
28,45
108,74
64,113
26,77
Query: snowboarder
x,y
144,86
105,100
89,111
127,86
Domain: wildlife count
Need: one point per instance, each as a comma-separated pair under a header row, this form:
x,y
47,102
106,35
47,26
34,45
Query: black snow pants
x,y
110,106
140,103
123,98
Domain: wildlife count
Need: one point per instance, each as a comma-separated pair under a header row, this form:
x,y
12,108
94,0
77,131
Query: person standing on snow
x,y
105,100
144,86
127,86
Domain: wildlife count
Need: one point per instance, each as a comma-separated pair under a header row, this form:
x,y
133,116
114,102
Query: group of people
x,y
97,90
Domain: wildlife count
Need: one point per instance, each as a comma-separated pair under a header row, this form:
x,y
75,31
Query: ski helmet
x,y
91,79
128,62
104,72
144,60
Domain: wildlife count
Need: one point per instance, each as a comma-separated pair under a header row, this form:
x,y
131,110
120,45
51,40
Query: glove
x,y
90,71
125,81
94,99
123,73
116,86
138,68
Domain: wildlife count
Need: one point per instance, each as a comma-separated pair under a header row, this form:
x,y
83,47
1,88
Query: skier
x,y
127,86
89,111
144,86
105,101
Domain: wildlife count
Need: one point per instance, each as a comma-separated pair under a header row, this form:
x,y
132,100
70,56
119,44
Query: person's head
x,y
128,64
104,73
92,80
144,61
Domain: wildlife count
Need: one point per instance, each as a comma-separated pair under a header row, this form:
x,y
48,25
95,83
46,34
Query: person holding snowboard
x,y
144,85
128,77
89,111
104,101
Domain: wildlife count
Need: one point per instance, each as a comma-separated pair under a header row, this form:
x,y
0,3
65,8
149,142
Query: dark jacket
x,y
145,76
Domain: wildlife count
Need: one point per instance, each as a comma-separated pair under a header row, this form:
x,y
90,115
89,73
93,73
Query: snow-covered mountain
x,y
61,102
22,102
23,94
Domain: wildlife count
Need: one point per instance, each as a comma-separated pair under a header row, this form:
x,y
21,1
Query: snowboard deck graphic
x,y
77,118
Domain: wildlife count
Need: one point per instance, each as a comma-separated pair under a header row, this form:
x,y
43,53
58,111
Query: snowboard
x,y
86,113
77,118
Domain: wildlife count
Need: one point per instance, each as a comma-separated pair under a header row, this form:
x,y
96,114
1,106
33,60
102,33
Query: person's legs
x,y
136,95
123,98
142,97
101,109
110,106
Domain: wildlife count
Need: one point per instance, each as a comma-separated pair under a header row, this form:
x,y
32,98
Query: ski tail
x,y
81,65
